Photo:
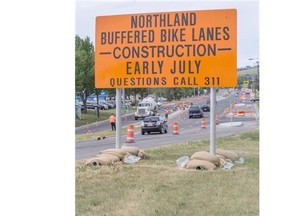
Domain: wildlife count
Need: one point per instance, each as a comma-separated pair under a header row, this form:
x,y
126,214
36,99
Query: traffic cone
x,y
217,120
175,128
203,123
130,134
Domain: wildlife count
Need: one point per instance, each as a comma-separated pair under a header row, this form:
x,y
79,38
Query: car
x,y
205,108
154,124
104,106
91,103
109,104
254,99
195,111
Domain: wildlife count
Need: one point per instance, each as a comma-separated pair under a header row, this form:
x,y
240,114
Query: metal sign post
x,y
212,120
118,118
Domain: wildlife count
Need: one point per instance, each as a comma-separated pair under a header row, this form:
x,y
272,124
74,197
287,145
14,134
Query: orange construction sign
x,y
167,49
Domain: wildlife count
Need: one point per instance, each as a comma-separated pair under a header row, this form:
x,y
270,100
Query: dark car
x,y
205,108
154,124
254,99
91,103
195,111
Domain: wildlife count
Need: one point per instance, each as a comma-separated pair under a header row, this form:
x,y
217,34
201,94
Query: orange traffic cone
x,y
203,123
130,134
175,128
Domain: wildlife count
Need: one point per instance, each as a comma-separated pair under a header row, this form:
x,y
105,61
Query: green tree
x,y
84,67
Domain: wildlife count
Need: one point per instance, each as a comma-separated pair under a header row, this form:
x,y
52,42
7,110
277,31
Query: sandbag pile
x,y
227,155
114,156
203,160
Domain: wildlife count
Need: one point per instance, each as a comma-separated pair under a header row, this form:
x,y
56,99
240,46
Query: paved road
x,y
189,130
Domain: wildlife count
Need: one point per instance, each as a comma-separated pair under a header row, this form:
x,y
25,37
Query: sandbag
x,y
222,162
91,161
233,156
117,152
94,162
220,156
200,165
142,154
105,159
202,155
113,157
131,149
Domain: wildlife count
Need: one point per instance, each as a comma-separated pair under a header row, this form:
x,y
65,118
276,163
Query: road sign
x,y
167,49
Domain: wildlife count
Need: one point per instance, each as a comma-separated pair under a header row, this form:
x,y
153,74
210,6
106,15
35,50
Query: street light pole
x,y
257,76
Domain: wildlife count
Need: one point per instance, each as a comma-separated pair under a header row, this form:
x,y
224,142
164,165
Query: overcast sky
x,y
247,17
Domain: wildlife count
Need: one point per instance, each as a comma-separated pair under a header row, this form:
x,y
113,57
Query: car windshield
x,y
151,118
194,108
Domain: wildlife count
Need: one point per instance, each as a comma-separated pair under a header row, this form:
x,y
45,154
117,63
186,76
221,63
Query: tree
x,y
84,67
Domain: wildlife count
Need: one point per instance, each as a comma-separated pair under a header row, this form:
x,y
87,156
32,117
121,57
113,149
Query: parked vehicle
x,y
154,124
104,106
91,103
109,104
205,108
195,111
147,107
255,99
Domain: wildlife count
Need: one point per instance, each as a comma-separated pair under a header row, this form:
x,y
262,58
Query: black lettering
x,y
128,67
149,21
136,36
145,67
126,52
112,82
201,34
119,81
141,21
176,20
145,52
114,53
125,82
156,81
151,36
132,81
148,81
175,81
182,34
133,21
210,33
177,52
226,34
207,81
218,33
193,35
103,38
160,51
163,79
192,19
